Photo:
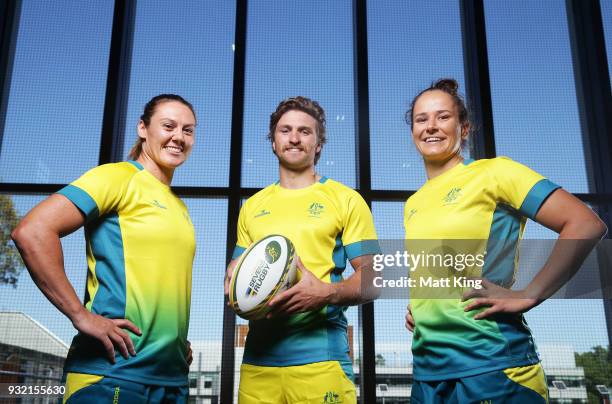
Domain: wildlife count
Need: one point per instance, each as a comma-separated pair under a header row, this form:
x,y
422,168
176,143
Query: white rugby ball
x,y
266,268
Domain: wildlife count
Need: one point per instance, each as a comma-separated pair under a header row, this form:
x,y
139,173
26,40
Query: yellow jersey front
x,y
140,250
328,223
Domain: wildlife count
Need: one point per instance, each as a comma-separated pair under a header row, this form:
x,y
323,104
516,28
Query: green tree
x,y
597,370
10,260
380,360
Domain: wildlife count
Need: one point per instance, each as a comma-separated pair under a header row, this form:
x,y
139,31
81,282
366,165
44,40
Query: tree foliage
x,y
10,261
597,367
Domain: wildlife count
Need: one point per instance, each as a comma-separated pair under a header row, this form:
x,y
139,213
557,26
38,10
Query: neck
x,y
436,168
296,179
163,174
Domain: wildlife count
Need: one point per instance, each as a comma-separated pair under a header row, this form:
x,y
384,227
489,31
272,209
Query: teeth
x,y
432,139
175,149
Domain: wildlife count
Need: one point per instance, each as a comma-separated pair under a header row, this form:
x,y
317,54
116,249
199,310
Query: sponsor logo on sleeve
x,y
262,212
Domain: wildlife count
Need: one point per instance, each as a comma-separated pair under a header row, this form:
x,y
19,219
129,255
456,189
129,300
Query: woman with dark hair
x,y
132,343
475,346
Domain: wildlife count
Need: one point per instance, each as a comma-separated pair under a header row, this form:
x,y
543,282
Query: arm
x,y
579,228
311,293
409,324
38,239
228,277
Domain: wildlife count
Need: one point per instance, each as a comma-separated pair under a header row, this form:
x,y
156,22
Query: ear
x,y
465,130
142,130
274,146
318,149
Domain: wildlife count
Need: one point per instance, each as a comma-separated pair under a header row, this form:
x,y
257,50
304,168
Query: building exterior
x,y
29,354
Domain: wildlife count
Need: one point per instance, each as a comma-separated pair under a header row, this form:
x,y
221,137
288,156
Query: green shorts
x,y
520,385
87,388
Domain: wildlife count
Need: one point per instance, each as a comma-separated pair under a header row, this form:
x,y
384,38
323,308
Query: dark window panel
x,y
187,51
57,89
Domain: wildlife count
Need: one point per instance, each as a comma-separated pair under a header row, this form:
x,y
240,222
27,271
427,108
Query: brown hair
x,y
305,105
450,87
148,112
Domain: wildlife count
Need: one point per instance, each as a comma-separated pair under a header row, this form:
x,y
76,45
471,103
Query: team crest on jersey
x,y
315,209
452,196
331,398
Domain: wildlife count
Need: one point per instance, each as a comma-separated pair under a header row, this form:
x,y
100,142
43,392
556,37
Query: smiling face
x,y
169,137
296,141
436,129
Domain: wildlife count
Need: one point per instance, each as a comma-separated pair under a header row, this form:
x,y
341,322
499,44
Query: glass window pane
x,y
187,51
393,341
209,218
564,329
27,299
57,91
535,110
405,55
299,48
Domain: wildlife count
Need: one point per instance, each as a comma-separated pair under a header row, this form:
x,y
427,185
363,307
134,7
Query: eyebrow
x,y
437,112
299,127
174,121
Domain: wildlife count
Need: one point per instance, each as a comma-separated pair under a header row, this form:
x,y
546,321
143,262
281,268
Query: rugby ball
x,y
266,268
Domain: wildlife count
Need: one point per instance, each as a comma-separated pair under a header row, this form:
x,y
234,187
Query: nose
x,y
431,125
178,136
294,137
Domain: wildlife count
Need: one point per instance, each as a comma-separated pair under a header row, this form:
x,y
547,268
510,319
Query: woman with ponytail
x,y
472,344
131,344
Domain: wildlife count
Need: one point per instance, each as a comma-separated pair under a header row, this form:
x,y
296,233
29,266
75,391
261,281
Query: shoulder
x,y
347,201
497,163
339,189
109,177
114,171
259,196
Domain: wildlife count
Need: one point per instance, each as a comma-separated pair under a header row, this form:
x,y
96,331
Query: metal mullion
x,y
236,193
10,12
117,82
367,365
476,71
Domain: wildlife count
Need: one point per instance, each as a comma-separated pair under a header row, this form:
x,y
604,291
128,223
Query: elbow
x,y
18,235
593,228
600,229
374,294
23,234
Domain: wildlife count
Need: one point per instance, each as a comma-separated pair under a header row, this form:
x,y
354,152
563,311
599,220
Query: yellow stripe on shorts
x,y
531,376
78,381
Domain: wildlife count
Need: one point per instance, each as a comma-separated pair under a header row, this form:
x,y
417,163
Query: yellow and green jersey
x,y
490,201
140,249
328,223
